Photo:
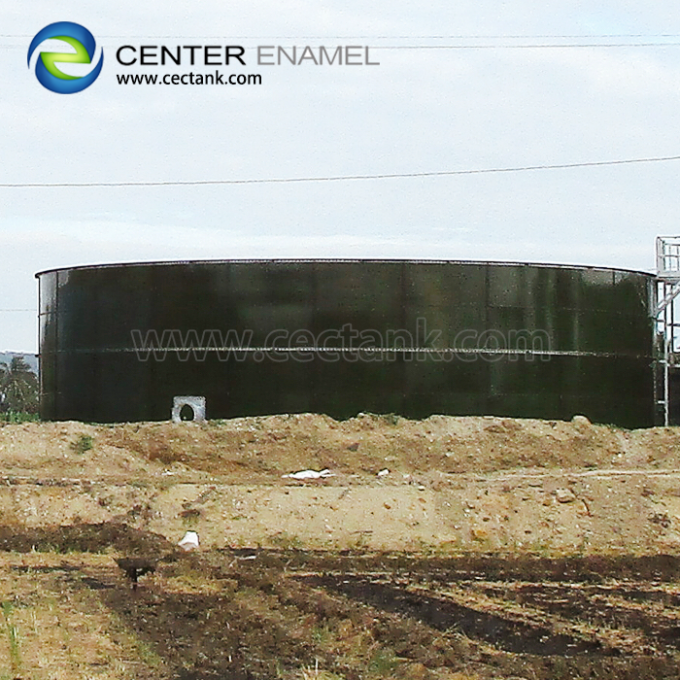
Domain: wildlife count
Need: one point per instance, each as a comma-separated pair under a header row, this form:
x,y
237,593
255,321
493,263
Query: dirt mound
x,y
247,448
368,443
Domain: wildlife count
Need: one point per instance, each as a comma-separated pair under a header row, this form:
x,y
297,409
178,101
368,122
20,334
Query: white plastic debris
x,y
189,542
309,474
383,473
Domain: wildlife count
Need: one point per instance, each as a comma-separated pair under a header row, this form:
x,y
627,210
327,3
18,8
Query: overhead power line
x,y
453,36
491,46
542,46
514,46
485,47
470,48
336,178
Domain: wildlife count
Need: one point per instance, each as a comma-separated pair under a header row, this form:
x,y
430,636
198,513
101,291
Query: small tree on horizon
x,y
19,388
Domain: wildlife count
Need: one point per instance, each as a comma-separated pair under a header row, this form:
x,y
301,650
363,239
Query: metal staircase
x,y
667,317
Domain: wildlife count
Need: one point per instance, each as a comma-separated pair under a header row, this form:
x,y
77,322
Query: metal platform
x,y
667,343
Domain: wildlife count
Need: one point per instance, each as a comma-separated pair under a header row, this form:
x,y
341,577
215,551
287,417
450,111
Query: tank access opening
x,y
186,413
188,409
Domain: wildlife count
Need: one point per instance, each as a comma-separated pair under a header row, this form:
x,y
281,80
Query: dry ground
x,y
494,548
469,483
264,614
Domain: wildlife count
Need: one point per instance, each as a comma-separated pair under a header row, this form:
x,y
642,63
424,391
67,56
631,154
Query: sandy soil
x,y
247,450
447,483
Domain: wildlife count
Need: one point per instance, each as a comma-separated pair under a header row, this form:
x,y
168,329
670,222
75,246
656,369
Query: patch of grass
x,y
189,578
83,444
541,547
582,548
55,548
560,669
360,542
383,662
286,541
15,417
321,635
147,654
144,650
308,673
613,427
13,635
387,418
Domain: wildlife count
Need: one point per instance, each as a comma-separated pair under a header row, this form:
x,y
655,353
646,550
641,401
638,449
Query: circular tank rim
x,y
285,260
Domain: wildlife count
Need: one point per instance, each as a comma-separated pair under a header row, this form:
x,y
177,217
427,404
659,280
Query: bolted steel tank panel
x,y
415,338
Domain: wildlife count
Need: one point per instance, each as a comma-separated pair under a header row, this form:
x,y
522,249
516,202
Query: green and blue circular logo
x,y
46,70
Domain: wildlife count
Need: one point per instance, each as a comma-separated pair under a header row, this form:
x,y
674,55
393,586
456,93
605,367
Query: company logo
x,y
46,69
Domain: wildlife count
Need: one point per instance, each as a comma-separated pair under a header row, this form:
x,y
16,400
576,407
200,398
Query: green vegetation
x,y
285,541
308,673
19,417
383,662
13,637
83,444
19,388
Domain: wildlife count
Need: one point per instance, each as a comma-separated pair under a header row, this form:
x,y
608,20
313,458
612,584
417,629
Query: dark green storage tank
x,y
415,338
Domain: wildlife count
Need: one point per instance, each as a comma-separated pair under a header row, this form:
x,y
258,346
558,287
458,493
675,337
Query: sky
x,y
505,87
